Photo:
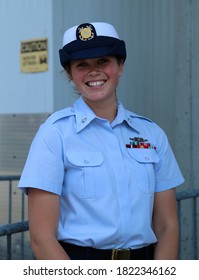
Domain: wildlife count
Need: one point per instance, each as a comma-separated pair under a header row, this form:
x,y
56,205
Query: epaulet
x,y
135,116
64,113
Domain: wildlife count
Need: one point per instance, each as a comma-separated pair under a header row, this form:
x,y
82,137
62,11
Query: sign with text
x,y
34,55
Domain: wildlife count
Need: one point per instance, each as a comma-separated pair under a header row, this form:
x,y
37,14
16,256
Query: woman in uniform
x,y
100,179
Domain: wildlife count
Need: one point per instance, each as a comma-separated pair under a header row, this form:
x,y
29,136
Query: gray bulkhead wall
x,y
187,88
186,100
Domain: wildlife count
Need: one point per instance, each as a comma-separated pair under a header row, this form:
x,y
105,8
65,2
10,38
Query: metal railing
x,y
192,195
20,227
12,228
10,180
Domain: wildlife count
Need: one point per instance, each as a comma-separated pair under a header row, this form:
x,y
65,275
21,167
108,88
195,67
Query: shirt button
x,y
147,158
86,161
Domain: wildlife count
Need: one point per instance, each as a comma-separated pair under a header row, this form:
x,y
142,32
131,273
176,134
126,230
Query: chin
x,y
96,97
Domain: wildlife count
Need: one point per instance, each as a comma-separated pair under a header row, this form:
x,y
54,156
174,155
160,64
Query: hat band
x,y
97,47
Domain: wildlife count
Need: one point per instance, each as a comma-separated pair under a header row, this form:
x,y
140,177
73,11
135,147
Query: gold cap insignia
x,y
86,32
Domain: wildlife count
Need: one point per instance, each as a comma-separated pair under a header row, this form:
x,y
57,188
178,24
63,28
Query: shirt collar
x,y
85,115
125,115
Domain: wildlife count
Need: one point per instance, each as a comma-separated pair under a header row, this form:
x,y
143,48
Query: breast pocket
x,y
144,160
87,175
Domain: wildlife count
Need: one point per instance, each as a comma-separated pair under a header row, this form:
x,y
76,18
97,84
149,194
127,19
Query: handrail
x,y
187,194
9,177
18,227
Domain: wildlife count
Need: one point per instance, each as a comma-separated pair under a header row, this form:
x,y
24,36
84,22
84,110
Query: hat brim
x,y
98,47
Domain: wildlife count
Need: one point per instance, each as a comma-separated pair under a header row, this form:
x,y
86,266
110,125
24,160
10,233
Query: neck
x,y
105,110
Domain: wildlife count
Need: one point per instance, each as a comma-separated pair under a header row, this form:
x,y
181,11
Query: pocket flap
x,y
144,155
85,158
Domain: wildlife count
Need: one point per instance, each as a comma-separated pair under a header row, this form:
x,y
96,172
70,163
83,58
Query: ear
x,y
121,67
68,75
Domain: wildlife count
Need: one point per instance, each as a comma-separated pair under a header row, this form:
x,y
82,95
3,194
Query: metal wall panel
x,y
16,134
22,20
186,88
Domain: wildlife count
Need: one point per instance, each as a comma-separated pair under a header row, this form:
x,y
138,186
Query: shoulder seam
x,y
133,115
64,113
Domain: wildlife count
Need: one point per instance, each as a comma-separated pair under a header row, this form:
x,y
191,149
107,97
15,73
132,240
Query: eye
x,y
103,60
82,65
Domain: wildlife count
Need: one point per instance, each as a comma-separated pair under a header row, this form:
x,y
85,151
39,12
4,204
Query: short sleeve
x,y
44,167
168,174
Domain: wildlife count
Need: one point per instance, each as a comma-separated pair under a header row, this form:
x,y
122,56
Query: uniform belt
x,y
90,253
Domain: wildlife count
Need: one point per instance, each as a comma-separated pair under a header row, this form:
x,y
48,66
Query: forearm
x,y
48,250
167,245
43,216
165,225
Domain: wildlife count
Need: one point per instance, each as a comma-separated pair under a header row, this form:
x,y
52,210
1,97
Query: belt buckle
x,y
121,254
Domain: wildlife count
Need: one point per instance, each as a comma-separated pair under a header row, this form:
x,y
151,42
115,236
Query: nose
x,y
93,73
94,70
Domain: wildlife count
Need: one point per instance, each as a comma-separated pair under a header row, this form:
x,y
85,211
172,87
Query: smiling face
x,y
96,79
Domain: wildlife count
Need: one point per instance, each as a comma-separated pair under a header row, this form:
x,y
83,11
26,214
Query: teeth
x,y
96,83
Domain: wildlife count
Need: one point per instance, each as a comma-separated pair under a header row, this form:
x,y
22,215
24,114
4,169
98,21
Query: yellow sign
x,y
34,55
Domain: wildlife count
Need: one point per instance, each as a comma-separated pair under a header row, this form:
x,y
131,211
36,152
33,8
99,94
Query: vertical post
x,y
195,237
22,219
9,238
179,215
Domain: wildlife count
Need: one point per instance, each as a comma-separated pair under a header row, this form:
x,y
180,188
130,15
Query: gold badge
x,y
86,32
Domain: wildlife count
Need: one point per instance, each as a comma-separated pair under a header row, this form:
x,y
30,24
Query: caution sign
x,y
34,55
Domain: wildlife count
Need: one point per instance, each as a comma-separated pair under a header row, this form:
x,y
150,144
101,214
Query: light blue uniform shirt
x,y
107,190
